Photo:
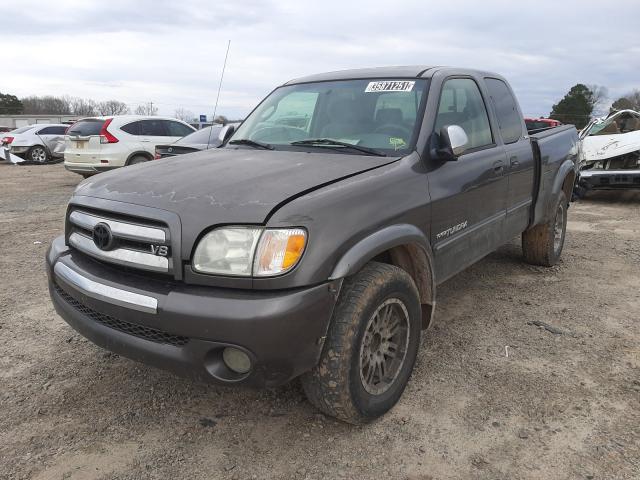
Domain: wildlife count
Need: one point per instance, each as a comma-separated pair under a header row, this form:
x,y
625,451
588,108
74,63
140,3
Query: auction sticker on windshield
x,y
390,86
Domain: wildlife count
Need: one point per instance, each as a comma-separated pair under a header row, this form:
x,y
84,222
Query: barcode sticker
x,y
390,86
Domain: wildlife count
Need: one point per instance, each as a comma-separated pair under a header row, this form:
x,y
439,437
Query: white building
x,y
17,121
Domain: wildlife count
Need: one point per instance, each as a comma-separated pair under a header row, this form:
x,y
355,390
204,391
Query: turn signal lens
x,y
279,250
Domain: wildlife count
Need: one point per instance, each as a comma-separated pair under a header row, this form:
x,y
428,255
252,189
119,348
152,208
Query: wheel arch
x,y
403,246
138,153
564,181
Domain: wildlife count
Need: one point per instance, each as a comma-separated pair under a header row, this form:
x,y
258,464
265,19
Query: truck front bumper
x,y
609,179
185,328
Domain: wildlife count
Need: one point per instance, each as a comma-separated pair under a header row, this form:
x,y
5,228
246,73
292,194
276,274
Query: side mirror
x,y
225,134
453,142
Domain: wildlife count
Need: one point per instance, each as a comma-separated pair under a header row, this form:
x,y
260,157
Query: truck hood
x,y
226,185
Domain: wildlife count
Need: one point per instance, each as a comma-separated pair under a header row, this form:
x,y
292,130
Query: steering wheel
x,y
392,129
280,133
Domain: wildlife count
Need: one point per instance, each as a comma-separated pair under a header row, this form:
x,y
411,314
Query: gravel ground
x,y
493,394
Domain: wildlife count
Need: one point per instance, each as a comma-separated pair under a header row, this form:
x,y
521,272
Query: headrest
x,y
342,111
389,116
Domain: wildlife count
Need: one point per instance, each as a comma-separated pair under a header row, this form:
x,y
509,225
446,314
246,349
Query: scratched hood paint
x,y
226,185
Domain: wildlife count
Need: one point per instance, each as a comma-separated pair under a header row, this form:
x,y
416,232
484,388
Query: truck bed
x,y
554,149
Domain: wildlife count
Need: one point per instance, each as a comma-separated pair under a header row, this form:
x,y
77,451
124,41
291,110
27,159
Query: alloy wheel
x,y
384,346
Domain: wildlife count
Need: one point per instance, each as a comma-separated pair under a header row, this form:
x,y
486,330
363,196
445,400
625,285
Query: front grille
x,y
128,242
140,331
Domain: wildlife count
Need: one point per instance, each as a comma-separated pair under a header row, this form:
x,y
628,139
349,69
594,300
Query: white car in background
x,y
98,144
38,143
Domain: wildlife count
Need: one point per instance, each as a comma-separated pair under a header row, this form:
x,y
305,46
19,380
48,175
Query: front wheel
x,y
38,154
542,244
371,346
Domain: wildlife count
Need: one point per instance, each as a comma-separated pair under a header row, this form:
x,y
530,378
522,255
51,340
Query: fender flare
x,y
414,263
566,168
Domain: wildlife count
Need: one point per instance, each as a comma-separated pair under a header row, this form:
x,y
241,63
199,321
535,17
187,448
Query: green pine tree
x,y
575,107
10,105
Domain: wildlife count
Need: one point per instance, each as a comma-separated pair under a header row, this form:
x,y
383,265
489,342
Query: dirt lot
x,y
560,405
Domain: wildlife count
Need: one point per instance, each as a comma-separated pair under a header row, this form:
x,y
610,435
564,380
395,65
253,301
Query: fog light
x,y
236,360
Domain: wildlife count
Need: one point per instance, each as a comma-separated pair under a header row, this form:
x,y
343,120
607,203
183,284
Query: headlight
x,y
279,251
246,251
227,251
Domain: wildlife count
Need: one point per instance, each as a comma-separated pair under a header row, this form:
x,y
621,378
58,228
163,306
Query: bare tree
x,y
46,105
83,107
112,107
634,99
221,119
598,97
146,109
183,114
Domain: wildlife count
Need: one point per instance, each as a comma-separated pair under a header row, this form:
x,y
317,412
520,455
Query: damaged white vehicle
x,y
38,143
610,157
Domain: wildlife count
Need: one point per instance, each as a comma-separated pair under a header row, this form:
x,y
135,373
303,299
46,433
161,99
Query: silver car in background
x,y
39,143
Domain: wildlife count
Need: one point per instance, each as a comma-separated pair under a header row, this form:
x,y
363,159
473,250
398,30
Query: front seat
x,y
389,116
342,120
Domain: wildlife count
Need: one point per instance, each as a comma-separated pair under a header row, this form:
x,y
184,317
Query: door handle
x,y
498,166
513,161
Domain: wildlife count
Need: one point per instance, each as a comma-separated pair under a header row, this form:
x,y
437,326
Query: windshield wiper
x,y
329,142
251,143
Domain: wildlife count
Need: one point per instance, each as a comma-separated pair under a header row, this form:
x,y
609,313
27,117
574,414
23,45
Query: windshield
x,y
624,122
377,114
202,137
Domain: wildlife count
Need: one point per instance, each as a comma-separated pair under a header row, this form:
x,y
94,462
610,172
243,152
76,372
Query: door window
x,y
509,120
152,128
461,104
132,128
52,131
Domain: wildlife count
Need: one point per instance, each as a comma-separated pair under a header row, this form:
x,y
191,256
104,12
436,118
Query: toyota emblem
x,y
102,236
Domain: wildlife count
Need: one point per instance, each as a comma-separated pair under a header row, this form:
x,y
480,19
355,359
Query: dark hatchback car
x,y
208,137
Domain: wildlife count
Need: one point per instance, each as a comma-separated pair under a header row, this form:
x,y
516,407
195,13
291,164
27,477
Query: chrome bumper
x,y
105,293
607,173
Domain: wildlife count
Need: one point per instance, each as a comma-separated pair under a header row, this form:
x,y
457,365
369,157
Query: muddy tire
x,y
371,346
542,244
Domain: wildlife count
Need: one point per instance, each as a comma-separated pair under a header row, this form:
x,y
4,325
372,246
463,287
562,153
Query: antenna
x,y
215,108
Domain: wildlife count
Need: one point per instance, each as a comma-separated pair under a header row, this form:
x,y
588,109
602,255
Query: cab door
x,y
520,167
468,195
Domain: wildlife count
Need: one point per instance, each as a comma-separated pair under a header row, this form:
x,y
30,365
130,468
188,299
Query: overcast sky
x,y
171,52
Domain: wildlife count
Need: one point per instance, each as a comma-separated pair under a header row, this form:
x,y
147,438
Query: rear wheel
x,y
542,244
371,346
138,159
38,154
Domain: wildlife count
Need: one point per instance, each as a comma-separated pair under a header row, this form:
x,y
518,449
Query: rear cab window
x,y
509,120
86,128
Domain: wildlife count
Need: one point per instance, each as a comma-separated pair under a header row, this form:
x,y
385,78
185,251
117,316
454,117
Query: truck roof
x,y
407,71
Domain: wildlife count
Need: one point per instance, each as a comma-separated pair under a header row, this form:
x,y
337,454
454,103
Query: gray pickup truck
x,y
312,242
